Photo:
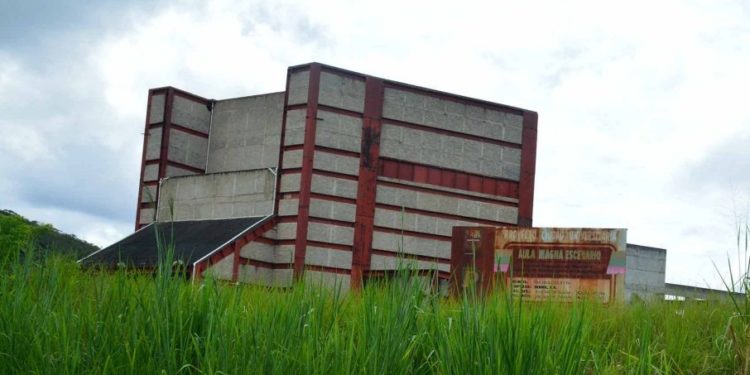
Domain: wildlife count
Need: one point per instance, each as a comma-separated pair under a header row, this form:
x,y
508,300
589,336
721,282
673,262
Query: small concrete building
x,y
337,179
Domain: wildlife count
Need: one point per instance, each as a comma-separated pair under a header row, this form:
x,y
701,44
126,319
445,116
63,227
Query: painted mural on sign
x,y
561,264
539,264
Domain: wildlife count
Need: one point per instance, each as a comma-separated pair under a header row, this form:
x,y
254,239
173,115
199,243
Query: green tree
x,y
15,236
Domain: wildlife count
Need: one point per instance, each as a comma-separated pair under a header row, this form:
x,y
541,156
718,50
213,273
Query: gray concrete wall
x,y
430,148
245,133
408,244
188,149
342,92
222,270
645,270
447,205
217,196
328,280
299,83
338,131
190,114
156,113
452,115
153,144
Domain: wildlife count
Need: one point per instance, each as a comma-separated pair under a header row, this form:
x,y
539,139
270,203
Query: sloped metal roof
x,y
189,241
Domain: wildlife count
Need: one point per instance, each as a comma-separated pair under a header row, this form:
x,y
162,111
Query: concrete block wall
x,y
373,173
318,178
175,144
217,196
464,160
245,133
645,272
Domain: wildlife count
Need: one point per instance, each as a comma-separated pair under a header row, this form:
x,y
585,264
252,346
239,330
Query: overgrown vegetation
x,y
18,234
57,318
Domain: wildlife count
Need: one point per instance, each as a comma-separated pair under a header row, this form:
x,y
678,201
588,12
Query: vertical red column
x,y
528,169
308,151
164,127
367,180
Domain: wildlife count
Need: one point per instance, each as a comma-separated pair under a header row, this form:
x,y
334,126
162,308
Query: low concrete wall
x,y
217,196
645,269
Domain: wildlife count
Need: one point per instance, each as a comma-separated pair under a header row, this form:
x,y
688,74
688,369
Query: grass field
x,y
58,319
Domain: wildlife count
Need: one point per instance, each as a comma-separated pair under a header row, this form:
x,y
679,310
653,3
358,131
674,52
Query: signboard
x,y
536,264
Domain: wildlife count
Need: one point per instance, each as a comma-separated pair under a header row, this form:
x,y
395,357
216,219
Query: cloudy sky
x,y
644,109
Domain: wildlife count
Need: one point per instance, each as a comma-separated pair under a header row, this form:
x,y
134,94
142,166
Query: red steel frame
x,y
372,167
166,126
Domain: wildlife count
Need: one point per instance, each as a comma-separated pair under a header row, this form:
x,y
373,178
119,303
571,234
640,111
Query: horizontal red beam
x,y
340,271
412,233
328,245
410,256
445,177
263,264
187,130
186,167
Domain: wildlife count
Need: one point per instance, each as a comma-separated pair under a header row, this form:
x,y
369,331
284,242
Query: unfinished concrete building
x,y
340,178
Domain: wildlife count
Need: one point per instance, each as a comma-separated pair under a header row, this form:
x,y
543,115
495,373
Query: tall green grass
x,y
58,318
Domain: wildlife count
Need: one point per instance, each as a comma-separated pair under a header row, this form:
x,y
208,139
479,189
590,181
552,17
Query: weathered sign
x,y
559,264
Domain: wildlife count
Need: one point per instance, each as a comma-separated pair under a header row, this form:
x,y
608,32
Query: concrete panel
x,y
217,196
268,253
390,263
334,163
319,256
342,92
295,127
334,186
148,194
411,245
451,115
332,210
157,109
288,207
293,159
187,149
329,233
190,114
645,271
445,151
151,172
246,133
286,231
147,215
299,82
417,222
255,275
221,270
153,144
327,280
290,183
448,205
178,172
338,131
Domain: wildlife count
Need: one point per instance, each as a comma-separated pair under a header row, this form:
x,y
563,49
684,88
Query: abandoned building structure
x,y
340,178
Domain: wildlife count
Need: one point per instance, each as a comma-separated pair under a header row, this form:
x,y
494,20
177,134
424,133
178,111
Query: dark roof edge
x,y
123,239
